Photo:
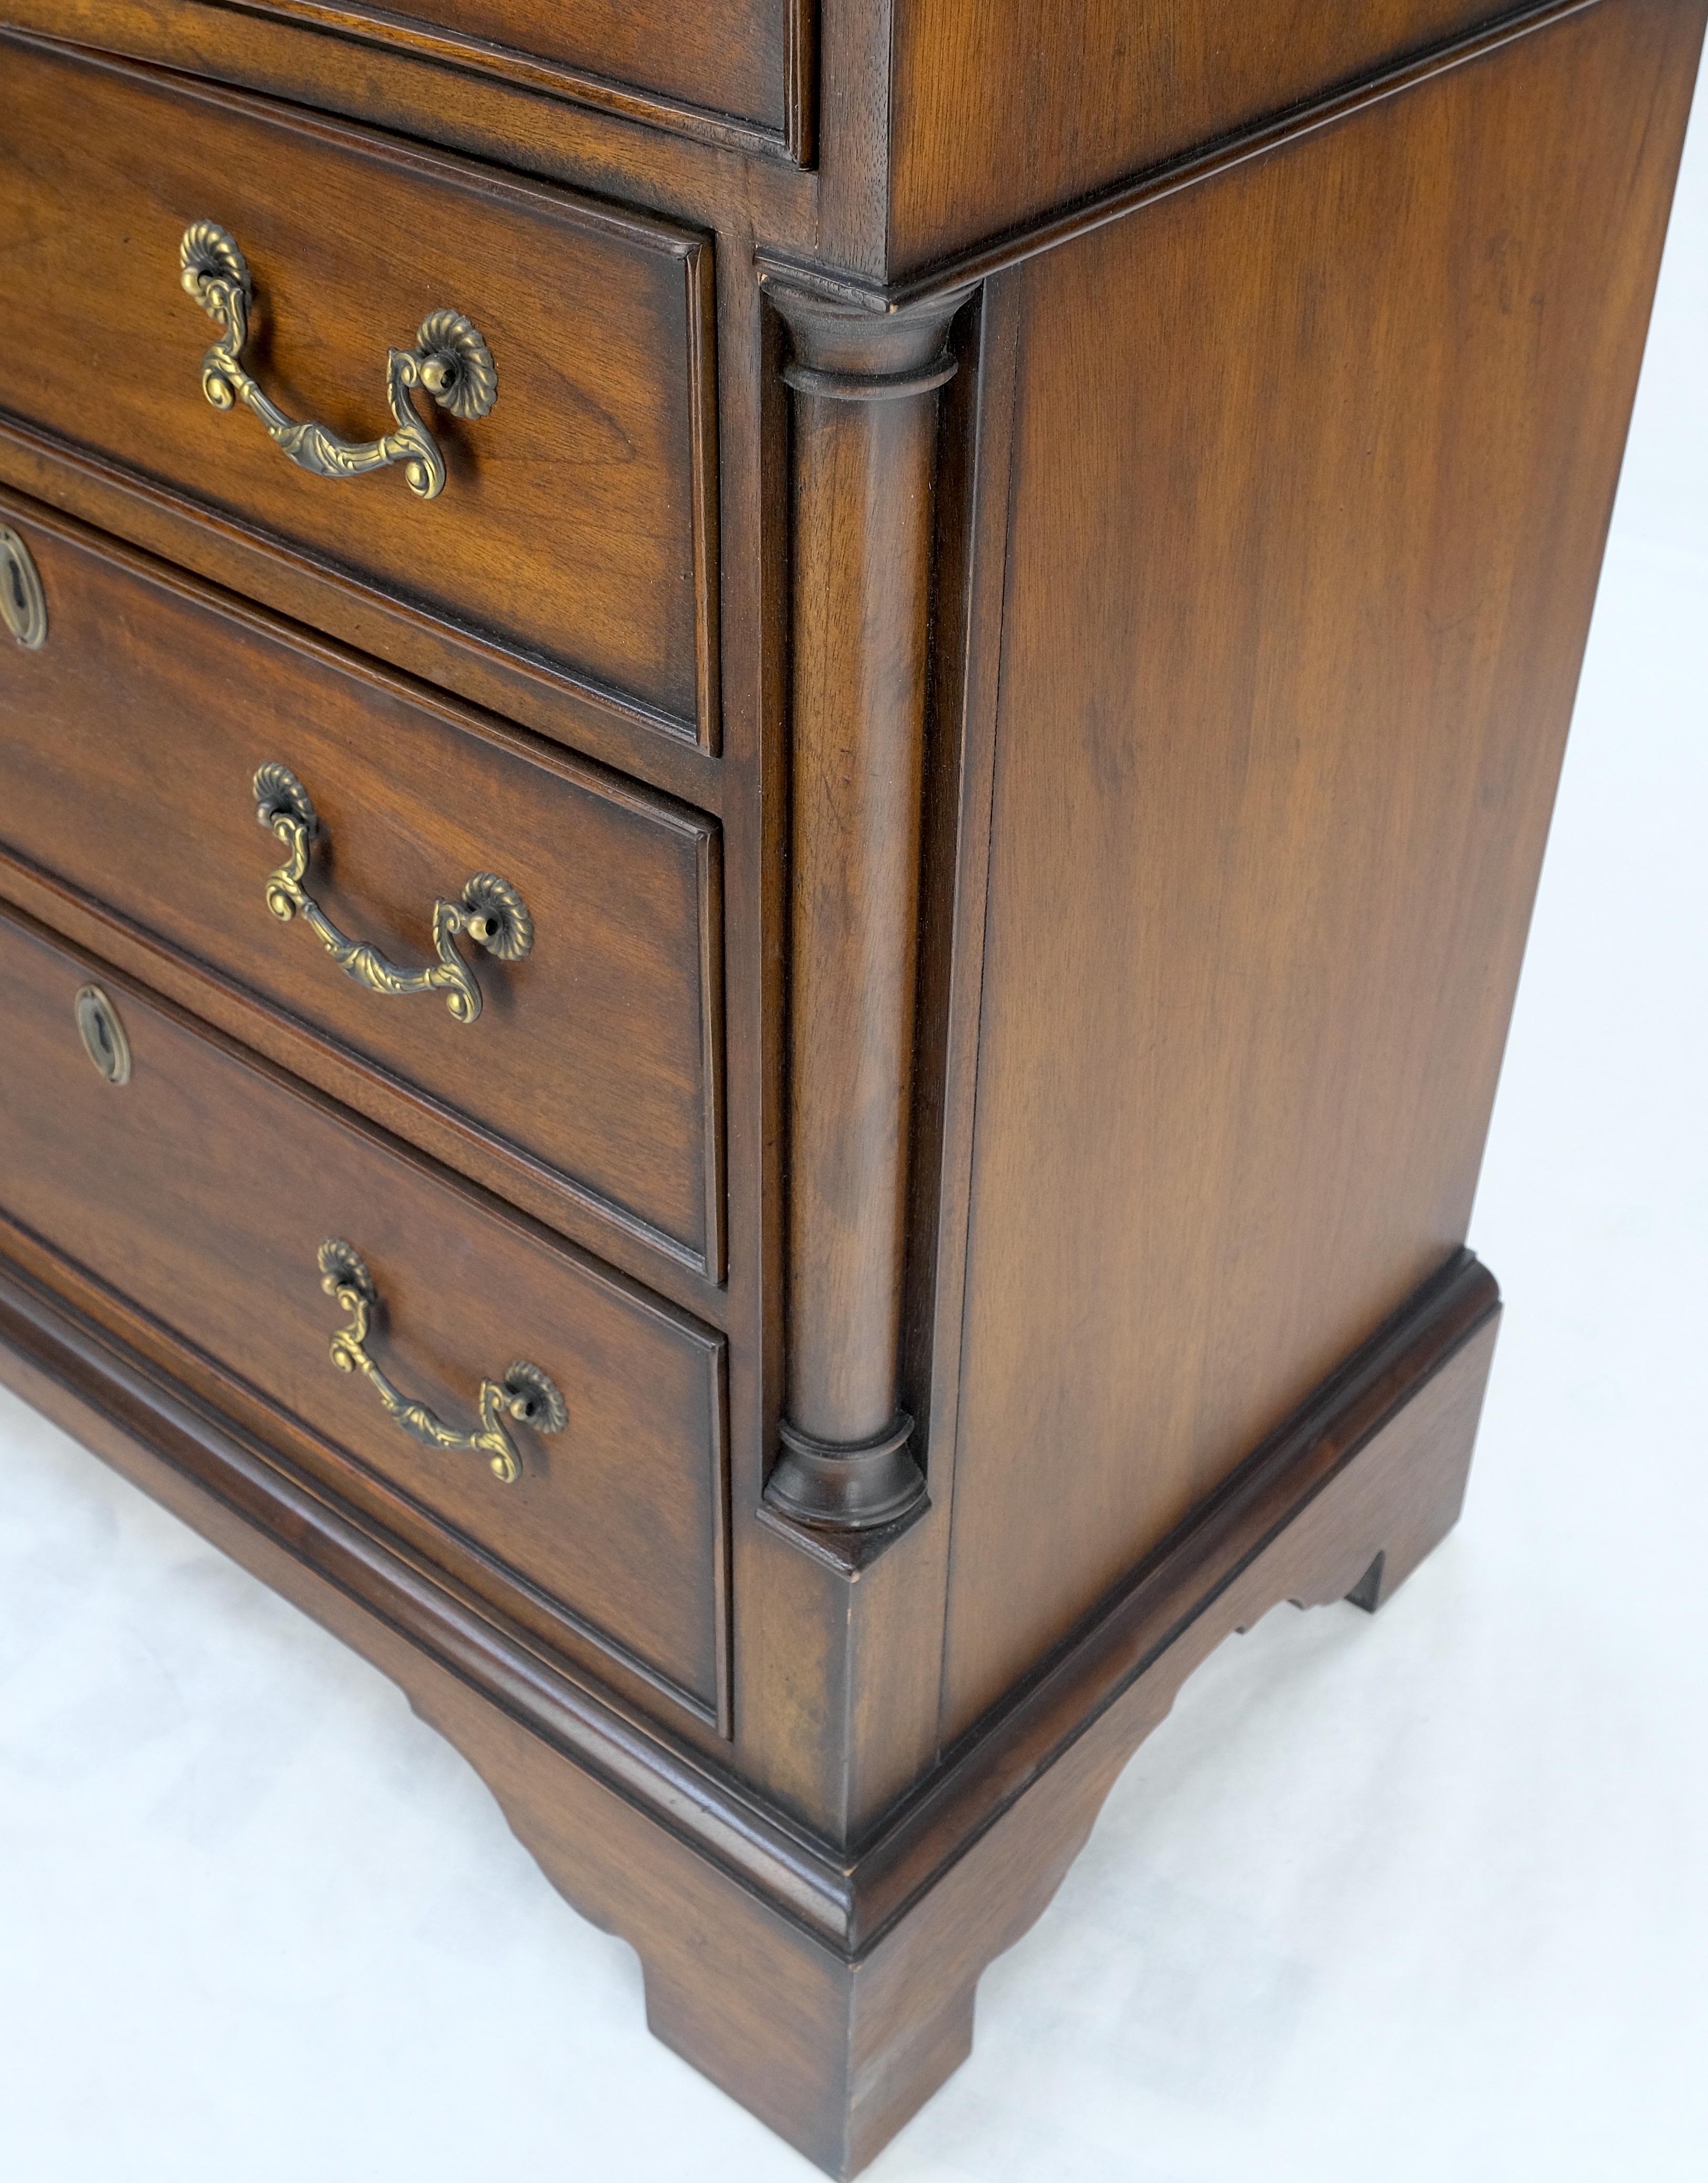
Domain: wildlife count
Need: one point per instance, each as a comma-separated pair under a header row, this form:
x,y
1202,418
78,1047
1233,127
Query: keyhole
x,y
102,1034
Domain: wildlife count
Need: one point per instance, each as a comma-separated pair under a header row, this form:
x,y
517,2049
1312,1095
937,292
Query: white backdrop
x,y
1424,1896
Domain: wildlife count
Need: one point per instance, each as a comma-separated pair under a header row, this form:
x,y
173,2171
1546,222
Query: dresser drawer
x,y
573,540
130,741
734,70
202,1190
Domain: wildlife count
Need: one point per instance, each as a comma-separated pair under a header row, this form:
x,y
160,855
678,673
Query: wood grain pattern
x,y
202,1190
127,748
578,528
1004,109
228,553
861,577
839,1747
1298,583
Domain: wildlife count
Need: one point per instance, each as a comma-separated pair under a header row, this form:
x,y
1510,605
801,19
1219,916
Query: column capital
x,y
848,352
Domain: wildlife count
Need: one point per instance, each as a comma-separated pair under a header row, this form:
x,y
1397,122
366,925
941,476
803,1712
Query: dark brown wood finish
x,y
1319,539
201,1190
127,750
837,1746
578,528
230,554
865,444
494,117
1001,110
1123,764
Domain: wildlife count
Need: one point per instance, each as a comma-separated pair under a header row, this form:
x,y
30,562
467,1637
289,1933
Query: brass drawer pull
x,y
449,359
524,1394
490,911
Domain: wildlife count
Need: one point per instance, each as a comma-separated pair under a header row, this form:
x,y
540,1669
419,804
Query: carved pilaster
x,y
865,418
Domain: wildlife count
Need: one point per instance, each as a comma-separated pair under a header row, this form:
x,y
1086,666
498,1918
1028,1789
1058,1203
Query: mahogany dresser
x,y
901,664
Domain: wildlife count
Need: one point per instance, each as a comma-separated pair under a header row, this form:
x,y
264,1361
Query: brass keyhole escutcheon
x,y
23,603
102,1034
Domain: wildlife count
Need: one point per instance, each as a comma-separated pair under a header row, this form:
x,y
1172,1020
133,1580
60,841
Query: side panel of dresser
x,y
1313,466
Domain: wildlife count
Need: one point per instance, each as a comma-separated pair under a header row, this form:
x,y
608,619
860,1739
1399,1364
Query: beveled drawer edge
x,y
484,117
716,1711
483,56
633,226
631,734
610,783
641,228
699,271
635,1293
663,759
700,830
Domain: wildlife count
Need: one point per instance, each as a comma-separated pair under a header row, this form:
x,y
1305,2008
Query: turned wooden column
x,y
865,423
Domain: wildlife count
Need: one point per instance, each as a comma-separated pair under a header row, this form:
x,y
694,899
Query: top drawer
x,y
732,71
574,536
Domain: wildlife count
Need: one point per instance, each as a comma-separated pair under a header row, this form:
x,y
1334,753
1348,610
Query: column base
x,y
839,1486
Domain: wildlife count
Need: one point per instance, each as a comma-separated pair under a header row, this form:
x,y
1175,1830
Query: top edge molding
x,y
965,270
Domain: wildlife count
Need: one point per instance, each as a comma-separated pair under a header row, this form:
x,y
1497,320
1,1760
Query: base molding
x,y
829,1994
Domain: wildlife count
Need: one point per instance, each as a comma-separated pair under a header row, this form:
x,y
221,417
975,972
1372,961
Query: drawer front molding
x,y
701,71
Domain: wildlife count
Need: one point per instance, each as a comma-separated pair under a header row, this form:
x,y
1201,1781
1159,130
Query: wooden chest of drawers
x,y
901,669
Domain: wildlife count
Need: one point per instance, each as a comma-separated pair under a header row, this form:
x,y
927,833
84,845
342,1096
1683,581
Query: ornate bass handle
x,y
524,1394
490,911
449,360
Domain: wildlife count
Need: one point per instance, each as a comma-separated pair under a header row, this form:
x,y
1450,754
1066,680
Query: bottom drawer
x,y
201,1187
